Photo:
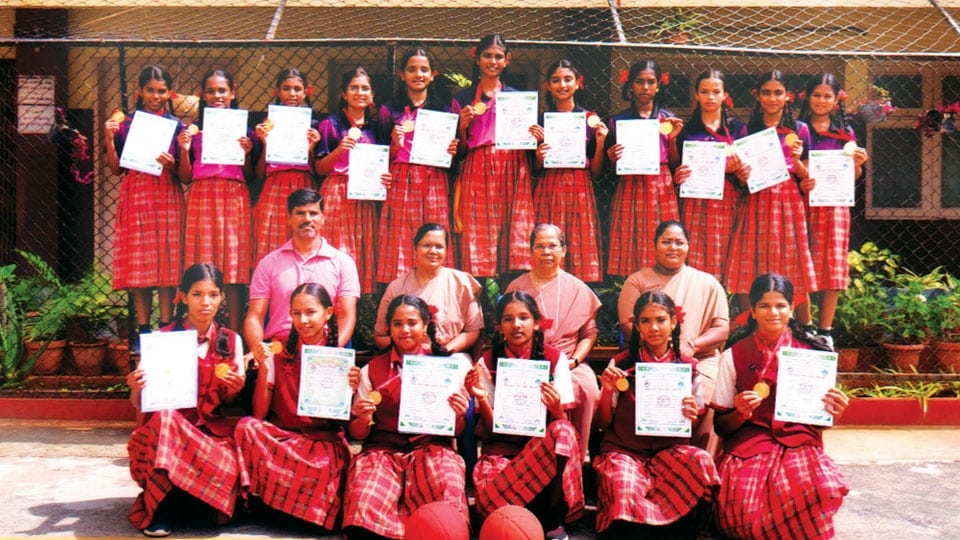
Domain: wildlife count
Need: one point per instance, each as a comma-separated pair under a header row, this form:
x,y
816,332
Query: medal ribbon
x,y
769,352
352,122
725,137
835,134
477,98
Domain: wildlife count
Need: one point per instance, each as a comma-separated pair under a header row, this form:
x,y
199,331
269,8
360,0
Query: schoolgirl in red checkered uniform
x,y
270,229
541,473
351,225
190,451
148,235
564,197
492,200
776,480
418,193
649,484
709,222
771,230
218,201
641,202
396,473
823,109
295,464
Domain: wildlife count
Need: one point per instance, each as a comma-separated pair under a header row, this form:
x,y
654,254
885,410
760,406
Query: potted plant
x,y
88,309
43,325
946,325
908,322
679,28
12,366
876,106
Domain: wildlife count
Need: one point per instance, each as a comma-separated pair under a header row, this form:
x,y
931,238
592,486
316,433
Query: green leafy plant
x,y
89,306
37,296
946,311
910,318
922,391
682,25
12,367
861,307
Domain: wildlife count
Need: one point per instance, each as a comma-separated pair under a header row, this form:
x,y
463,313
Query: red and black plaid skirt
x,y
496,207
564,197
789,493
418,195
292,473
351,226
384,488
270,228
168,451
640,203
709,224
771,236
218,227
518,480
656,490
148,235
829,244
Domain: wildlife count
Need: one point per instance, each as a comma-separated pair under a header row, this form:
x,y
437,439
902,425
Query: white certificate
x,y
516,112
325,382
833,172
517,407
222,129
641,146
367,163
803,378
763,153
660,389
566,133
426,384
150,135
432,134
707,161
287,142
169,362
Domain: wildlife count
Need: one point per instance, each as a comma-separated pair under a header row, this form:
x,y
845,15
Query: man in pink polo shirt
x,y
306,258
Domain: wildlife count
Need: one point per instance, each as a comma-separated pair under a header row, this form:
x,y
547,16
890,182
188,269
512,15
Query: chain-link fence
x,y
85,57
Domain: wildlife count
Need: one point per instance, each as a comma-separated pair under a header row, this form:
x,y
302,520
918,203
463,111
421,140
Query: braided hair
x,y
205,272
561,64
777,283
756,123
626,92
490,40
695,124
292,73
435,94
436,349
320,293
154,73
837,116
234,103
663,300
499,342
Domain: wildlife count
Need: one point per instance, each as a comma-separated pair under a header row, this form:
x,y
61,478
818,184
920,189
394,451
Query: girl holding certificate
x,y
642,201
351,225
776,480
218,202
492,200
396,473
564,196
295,464
823,109
148,237
541,473
771,229
418,193
649,484
187,456
270,229
709,222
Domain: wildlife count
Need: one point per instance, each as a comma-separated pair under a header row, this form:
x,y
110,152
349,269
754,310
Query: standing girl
x,y
270,229
190,451
776,481
709,222
641,202
564,197
418,193
396,473
823,109
148,236
540,473
295,464
218,202
492,201
649,484
351,225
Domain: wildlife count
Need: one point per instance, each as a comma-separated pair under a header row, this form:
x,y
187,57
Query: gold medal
x,y
192,129
221,370
791,138
118,116
479,108
849,148
375,397
276,347
407,126
267,124
623,384
666,128
762,389
593,121
354,133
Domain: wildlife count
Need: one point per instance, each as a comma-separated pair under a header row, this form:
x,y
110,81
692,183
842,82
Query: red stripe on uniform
x,y
218,227
640,203
564,197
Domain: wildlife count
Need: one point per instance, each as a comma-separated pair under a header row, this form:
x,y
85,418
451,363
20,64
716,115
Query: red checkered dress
x,y
564,197
270,228
709,224
830,229
496,207
418,195
640,203
351,226
218,227
517,480
148,235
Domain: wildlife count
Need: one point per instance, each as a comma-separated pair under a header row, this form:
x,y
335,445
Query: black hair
x,y
154,73
490,40
663,300
547,227
203,272
561,64
626,92
436,349
428,228
837,116
320,293
369,118
302,197
499,342
664,225
234,103
777,283
293,73
435,100
695,124
756,117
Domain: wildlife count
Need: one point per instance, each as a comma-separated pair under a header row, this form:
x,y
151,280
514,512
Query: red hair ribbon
x,y
679,314
546,324
433,309
803,95
473,52
753,92
665,78
309,90
728,101
841,96
276,93
173,95
790,97
435,73
179,297
580,82
624,75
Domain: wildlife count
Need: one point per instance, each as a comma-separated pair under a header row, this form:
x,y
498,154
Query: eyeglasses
x,y
547,247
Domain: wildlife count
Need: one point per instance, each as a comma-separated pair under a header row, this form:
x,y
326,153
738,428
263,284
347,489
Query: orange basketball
x,y
511,523
436,521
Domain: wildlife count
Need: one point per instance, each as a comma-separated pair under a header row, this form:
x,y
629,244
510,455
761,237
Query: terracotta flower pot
x,y
847,359
88,357
905,358
50,360
948,355
118,356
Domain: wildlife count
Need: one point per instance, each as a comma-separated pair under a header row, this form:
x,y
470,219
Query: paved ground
x,y
70,479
